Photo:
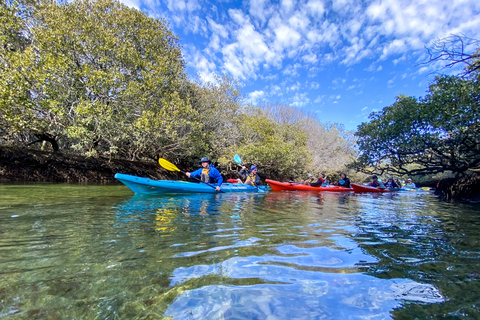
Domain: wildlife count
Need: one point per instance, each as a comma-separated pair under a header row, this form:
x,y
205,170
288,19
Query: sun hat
x,y
204,159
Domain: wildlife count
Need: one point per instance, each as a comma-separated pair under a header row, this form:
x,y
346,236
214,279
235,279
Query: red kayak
x,y
360,188
293,186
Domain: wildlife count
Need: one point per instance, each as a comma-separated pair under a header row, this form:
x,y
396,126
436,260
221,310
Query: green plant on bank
x,y
97,78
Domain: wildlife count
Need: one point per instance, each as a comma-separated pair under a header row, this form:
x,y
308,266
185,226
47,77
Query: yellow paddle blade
x,y
168,165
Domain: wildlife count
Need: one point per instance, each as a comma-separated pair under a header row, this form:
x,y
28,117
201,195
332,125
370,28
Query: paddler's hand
x,y
187,174
217,188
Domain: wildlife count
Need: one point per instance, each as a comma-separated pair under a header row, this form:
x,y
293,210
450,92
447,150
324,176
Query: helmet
x,y
204,159
374,177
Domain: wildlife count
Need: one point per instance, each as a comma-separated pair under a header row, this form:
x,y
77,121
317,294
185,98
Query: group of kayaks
x,y
150,186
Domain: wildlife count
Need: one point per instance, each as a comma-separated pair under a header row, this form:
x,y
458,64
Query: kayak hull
x,y
361,188
141,185
290,186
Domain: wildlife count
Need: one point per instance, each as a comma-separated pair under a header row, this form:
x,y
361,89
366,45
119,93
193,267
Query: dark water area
x,y
70,251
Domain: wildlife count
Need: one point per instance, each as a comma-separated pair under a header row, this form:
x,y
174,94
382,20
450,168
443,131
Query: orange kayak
x,y
293,186
360,188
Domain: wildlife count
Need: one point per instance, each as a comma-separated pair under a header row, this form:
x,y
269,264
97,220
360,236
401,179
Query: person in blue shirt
x,y
207,173
410,184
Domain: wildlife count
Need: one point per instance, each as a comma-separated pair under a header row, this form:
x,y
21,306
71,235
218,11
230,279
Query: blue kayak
x,y
149,186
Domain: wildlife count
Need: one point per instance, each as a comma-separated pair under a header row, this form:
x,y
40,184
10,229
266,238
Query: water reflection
x,y
211,256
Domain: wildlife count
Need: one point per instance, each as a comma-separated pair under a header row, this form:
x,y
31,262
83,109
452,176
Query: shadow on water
x,y
272,255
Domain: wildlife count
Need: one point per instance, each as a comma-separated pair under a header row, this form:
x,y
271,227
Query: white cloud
x,y
315,8
255,97
314,85
300,100
205,68
310,58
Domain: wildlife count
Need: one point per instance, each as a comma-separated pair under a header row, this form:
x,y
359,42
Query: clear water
x,y
98,252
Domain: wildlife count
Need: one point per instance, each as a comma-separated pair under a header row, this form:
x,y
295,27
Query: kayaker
x,y
321,181
375,183
399,184
251,178
410,184
344,181
391,184
207,173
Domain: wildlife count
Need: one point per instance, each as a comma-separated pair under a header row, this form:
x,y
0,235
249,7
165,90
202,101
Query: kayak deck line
x,y
280,186
362,188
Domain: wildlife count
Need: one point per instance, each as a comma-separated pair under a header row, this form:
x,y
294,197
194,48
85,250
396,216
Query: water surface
x,y
72,251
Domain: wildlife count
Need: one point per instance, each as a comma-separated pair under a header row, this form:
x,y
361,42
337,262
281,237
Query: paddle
x,y
237,159
171,167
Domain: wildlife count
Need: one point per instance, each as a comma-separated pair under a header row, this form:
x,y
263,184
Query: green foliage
x,y
100,79
99,75
435,134
279,150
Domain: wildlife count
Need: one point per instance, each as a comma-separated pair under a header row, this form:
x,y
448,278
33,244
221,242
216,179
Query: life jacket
x,y
390,184
204,176
251,177
375,184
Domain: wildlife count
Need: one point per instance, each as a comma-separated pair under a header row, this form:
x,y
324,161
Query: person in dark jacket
x,y
321,181
344,181
376,183
391,184
207,173
251,178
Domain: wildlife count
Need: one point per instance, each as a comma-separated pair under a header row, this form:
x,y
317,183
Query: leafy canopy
x,y
418,136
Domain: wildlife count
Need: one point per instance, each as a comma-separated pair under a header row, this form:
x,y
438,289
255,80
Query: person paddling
x,y
391,184
207,173
410,184
375,183
321,181
251,178
344,181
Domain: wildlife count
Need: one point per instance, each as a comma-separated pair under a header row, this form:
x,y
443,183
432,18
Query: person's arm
x,y
316,184
195,174
381,185
214,173
257,180
243,173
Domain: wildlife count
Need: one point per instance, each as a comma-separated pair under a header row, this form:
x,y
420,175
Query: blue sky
x,y
339,60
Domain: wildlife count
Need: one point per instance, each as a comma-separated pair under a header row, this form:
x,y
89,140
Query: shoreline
x,y
42,166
